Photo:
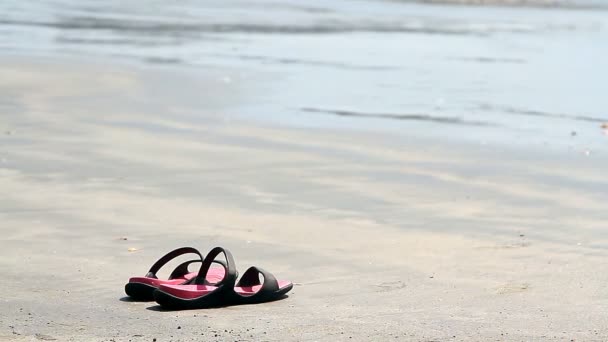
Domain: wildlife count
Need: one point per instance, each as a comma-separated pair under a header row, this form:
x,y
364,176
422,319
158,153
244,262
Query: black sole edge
x,y
170,302
140,291
284,290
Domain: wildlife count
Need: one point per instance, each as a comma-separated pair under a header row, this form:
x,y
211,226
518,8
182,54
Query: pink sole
x,y
213,276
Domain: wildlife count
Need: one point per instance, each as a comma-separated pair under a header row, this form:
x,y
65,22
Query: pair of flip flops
x,y
215,284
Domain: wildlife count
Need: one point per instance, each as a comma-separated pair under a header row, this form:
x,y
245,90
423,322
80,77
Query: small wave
x,y
415,117
146,27
530,112
163,60
285,60
112,41
490,60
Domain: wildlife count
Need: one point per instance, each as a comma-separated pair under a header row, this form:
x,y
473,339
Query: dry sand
x,y
385,237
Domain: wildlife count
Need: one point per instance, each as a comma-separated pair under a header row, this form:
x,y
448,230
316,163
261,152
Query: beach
x,y
383,236
432,223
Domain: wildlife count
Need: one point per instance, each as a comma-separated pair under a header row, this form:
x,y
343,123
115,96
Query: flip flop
x,y
249,290
198,294
142,288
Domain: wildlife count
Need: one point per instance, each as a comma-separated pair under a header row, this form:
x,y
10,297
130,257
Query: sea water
x,y
516,75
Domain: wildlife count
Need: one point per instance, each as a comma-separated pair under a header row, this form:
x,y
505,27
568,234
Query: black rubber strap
x,y
251,277
231,273
182,269
170,256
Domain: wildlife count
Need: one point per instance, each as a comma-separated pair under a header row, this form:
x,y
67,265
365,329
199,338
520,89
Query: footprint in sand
x,y
512,288
389,286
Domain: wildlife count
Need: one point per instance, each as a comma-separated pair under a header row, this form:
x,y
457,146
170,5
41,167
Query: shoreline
x,y
501,75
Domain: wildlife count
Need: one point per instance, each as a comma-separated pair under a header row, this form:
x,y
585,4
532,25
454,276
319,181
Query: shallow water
x,y
531,76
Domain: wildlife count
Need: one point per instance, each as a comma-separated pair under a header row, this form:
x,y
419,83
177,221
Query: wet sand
x,y
384,235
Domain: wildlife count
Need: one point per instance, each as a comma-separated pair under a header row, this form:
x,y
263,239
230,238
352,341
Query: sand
x,y
385,236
